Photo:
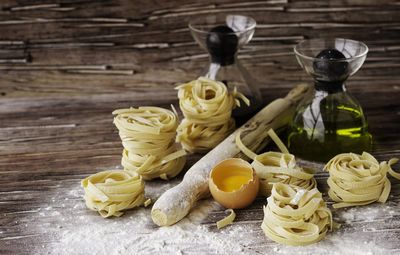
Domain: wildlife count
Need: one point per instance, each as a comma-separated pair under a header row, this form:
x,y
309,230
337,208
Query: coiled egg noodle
x,y
359,179
207,107
273,167
110,192
148,137
295,216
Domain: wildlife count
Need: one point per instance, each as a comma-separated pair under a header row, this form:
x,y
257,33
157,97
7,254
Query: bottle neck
x,y
223,60
222,71
330,87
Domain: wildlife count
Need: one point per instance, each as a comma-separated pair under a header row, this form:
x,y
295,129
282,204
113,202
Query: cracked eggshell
x,y
242,180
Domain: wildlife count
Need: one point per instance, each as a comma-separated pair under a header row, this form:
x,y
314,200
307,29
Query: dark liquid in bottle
x,y
222,44
243,113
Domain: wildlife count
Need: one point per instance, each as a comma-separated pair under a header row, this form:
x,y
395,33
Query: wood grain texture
x,y
65,65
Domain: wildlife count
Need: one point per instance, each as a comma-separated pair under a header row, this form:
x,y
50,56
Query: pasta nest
x,y
275,167
207,107
110,192
295,216
358,179
148,137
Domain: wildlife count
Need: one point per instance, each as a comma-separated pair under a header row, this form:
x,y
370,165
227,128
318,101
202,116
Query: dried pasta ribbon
x,y
295,216
147,202
148,136
207,107
358,179
227,220
110,192
273,167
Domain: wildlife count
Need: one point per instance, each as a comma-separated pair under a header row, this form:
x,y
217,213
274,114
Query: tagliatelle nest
x,y
110,192
148,136
359,179
207,107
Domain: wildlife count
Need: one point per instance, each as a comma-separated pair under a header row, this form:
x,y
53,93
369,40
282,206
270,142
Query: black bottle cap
x,y
333,70
222,44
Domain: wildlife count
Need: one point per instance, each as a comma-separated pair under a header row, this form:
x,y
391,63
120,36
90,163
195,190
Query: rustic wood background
x,y
65,65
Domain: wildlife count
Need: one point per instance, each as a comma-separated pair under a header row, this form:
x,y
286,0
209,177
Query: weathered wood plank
x,y
66,64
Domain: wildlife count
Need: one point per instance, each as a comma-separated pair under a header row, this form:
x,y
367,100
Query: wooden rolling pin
x,y
176,202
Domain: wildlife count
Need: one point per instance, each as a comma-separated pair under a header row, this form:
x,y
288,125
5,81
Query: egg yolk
x,y
232,183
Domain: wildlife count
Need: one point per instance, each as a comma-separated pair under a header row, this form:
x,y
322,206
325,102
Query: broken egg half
x,y
233,183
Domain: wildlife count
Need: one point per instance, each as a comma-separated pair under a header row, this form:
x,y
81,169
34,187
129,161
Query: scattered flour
x,y
368,213
136,234
77,230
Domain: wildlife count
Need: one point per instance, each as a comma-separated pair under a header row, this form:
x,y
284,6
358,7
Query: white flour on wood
x,y
76,230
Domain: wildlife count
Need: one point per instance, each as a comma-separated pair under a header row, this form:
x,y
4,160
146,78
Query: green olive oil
x,y
331,129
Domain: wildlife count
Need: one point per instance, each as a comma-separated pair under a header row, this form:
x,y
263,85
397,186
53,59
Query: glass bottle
x,y
222,36
330,121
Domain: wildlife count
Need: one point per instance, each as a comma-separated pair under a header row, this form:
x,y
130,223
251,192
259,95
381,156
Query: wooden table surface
x,y
66,65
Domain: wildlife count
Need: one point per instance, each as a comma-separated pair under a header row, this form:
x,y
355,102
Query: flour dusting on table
x,y
78,230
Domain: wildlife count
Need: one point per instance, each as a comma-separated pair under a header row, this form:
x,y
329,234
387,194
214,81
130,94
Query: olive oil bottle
x,y
330,121
329,124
